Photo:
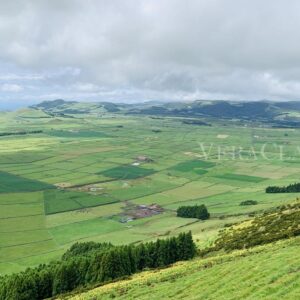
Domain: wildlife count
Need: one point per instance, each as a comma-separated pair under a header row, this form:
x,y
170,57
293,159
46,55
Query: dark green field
x,y
12,183
127,172
240,177
193,165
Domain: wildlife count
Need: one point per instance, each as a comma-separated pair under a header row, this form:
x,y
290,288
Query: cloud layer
x,y
138,50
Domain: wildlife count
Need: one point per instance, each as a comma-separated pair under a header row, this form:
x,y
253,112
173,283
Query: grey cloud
x,y
148,49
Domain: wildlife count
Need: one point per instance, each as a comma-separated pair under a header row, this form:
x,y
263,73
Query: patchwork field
x,y
75,180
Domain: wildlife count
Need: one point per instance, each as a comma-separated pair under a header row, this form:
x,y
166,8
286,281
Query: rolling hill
x,y
242,264
278,114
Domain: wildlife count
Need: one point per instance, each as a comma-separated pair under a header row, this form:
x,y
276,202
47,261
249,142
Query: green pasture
x,y
12,183
241,177
74,181
76,134
56,201
192,165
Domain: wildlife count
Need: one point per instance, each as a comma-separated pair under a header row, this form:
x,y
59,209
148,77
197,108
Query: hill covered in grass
x,y
261,250
88,265
234,267
280,114
265,272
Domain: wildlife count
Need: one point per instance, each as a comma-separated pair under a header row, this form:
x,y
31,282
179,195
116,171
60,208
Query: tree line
x,y
292,188
20,132
196,211
88,264
248,202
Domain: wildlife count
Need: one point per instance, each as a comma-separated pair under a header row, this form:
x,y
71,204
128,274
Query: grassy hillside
x,y
265,272
288,112
87,265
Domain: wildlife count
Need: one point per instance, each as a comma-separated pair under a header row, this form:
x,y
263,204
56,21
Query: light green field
x,y
265,272
73,181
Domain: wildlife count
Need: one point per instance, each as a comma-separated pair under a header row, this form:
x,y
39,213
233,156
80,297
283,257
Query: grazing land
x,y
79,175
265,272
87,265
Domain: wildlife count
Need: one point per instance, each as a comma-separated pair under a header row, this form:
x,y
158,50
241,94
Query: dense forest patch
x,y
196,211
248,202
94,263
292,188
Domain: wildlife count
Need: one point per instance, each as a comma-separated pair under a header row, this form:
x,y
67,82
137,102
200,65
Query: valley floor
x,y
265,272
86,178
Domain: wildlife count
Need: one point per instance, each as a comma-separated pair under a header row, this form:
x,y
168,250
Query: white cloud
x,y
8,87
149,49
12,77
86,87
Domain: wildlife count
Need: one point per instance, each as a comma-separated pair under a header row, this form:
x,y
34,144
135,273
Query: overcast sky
x,y
123,50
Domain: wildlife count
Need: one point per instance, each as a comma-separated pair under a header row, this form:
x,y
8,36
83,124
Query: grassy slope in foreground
x,y
265,272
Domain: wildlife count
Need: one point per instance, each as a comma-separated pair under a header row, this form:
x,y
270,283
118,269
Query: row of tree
x,y
196,211
292,188
248,202
20,132
87,264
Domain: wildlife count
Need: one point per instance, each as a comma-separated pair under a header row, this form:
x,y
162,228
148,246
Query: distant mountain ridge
x,y
53,103
284,113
